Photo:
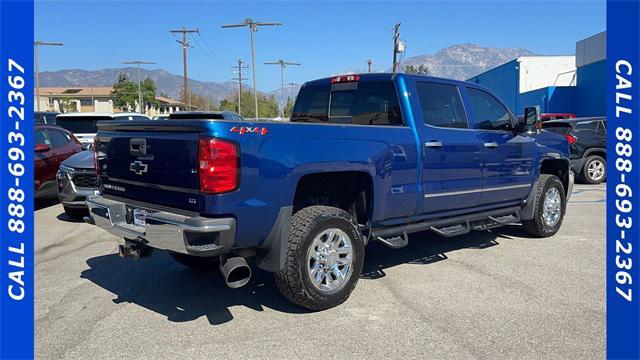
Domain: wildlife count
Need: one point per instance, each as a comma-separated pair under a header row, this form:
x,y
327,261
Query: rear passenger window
x,y
58,138
367,103
489,113
441,105
41,138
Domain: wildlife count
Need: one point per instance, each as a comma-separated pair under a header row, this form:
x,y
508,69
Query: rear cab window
x,y
359,103
441,105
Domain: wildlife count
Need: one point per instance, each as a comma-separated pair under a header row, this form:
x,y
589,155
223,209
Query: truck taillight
x,y
96,143
571,139
219,165
344,78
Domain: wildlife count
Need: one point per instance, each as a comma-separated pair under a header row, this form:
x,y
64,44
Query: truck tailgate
x,y
143,164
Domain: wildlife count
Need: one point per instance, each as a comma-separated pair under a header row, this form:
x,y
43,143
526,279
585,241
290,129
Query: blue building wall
x,y
590,97
503,81
587,98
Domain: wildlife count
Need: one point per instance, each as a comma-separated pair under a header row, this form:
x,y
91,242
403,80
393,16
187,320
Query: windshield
x,y
81,124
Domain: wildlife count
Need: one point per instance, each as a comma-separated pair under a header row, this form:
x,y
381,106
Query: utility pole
x,y
238,70
253,27
185,44
369,62
138,63
283,64
35,52
396,36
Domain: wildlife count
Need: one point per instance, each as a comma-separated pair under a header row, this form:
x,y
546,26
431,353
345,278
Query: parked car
x,y
588,145
160,117
53,145
84,125
77,179
371,157
45,117
554,116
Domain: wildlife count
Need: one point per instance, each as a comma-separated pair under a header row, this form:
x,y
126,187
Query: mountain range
x,y
456,62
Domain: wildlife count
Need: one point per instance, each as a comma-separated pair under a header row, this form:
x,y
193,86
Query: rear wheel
x,y
550,205
195,262
324,258
594,170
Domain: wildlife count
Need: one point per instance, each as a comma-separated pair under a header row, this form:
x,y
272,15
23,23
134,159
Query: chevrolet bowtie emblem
x,y
138,167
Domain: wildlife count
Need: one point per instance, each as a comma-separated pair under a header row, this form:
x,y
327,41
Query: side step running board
x,y
395,242
453,226
453,230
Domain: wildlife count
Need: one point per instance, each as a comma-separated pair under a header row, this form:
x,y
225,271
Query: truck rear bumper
x,y
193,235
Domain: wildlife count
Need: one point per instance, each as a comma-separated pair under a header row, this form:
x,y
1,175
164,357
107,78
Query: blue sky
x,y
326,37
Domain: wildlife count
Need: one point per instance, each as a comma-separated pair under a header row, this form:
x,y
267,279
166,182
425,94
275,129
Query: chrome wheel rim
x,y
552,207
329,260
595,170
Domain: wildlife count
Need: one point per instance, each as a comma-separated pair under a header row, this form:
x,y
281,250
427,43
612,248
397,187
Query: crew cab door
x,y
451,153
508,155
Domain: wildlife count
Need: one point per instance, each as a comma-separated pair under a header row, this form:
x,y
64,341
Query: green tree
x,y
419,70
148,88
267,106
289,108
67,106
125,92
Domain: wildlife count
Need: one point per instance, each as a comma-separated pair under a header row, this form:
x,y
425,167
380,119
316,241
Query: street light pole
x,y
253,27
35,53
137,63
283,64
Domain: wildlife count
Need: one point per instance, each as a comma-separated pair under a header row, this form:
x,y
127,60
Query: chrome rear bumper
x,y
194,235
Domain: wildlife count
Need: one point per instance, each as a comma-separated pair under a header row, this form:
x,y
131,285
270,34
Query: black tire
x,y
538,226
195,262
294,281
75,213
594,159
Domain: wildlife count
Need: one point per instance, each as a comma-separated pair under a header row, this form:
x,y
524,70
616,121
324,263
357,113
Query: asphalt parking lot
x,y
485,295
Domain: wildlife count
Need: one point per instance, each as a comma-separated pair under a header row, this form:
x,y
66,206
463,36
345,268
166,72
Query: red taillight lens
x,y
96,143
218,165
571,139
344,78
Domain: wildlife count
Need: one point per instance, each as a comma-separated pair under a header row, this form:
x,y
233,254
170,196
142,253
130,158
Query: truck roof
x,y
389,77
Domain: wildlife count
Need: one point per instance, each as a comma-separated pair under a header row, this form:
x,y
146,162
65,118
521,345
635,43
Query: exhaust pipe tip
x,y
236,272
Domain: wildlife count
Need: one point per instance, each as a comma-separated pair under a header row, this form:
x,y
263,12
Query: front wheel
x,y
550,205
324,258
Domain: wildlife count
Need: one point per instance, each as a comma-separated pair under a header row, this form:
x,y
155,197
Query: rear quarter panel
x,y
272,165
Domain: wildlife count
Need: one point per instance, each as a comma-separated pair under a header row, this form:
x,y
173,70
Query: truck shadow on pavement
x,y
161,285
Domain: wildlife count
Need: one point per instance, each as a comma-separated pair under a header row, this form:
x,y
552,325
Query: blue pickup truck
x,y
371,157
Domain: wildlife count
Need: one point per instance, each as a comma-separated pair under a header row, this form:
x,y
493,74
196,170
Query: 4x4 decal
x,y
250,130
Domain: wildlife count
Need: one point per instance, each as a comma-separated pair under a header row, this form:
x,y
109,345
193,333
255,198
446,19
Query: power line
x,y
253,27
185,44
283,64
209,48
238,70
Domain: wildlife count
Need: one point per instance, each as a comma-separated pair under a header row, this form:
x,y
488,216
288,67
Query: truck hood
x,y
81,160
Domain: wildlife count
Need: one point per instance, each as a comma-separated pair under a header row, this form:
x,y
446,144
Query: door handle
x,y
433,144
491,145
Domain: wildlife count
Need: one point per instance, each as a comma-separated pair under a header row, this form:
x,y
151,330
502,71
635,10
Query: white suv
x,y
84,124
